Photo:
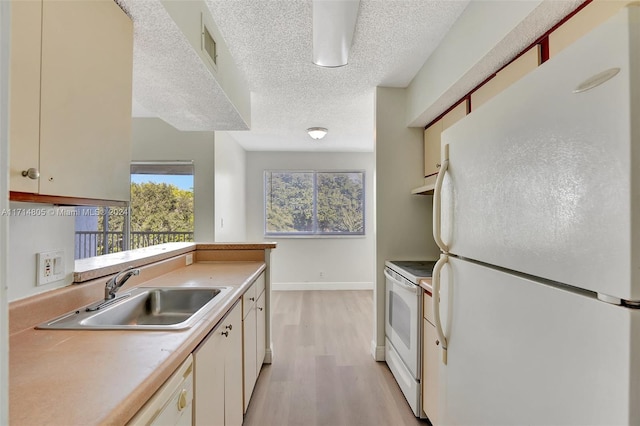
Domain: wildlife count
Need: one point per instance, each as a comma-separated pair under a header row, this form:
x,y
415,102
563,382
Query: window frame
x,y
315,233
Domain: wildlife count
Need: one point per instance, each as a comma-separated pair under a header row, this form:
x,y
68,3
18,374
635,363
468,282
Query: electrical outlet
x,y
50,266
189,259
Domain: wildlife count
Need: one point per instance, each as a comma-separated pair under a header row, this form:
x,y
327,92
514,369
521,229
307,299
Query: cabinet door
x,y
172,403
209,380
24,96
249,337
507,76
582,22
85,99
233,412
432,148
177,412
261,332
432,137
430,372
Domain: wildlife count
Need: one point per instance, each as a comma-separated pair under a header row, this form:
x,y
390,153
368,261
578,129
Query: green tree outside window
x,y
314,203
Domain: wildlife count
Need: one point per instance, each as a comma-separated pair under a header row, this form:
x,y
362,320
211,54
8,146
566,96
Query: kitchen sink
x,y
144,308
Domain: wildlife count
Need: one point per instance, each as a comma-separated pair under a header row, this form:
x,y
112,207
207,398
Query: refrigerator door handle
x,y
436,303
437,201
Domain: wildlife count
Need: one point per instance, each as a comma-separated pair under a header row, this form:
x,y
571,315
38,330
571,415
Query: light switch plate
x,y
189,259
50,266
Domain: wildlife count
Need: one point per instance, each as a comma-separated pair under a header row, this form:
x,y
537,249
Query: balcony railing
x,y
96,243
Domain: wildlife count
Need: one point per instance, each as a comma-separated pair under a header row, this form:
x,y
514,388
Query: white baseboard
x,y
322,286
377,352
268,356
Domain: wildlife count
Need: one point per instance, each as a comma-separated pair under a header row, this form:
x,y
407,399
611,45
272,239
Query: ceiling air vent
x,y
209,46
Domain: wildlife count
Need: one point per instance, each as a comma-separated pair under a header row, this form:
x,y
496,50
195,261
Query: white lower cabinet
x,y
430,372
254,335
430,363
250,369
261,332
218,374
171,405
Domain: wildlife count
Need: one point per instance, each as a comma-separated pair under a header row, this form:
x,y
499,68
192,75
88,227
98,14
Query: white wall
x,y
299,262
155,140
403,220
34,234
230,187
4,204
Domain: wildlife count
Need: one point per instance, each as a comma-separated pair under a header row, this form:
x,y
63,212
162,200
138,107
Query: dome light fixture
x,y
317,133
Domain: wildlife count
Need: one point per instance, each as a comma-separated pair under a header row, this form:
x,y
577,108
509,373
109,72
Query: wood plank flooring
x,y
322,371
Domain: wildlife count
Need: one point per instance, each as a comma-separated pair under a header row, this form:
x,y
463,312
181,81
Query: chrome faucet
x,y
113,285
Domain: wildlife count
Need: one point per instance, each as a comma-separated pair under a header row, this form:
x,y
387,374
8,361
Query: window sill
x,y
100,266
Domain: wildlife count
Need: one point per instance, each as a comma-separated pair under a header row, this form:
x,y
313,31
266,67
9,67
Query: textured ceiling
x,y
271,42
170,80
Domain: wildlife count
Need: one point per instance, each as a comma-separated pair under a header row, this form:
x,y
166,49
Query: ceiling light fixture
x,y
334,23
317,132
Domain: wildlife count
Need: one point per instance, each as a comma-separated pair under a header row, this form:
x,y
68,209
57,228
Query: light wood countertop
x,y
78,377
425,283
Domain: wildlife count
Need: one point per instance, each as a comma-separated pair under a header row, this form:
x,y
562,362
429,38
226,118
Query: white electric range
x,y
403,325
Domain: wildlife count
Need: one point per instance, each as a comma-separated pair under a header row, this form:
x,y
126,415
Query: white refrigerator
x,y
537,213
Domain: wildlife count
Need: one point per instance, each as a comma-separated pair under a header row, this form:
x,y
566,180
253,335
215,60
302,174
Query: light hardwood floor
x,y
322,371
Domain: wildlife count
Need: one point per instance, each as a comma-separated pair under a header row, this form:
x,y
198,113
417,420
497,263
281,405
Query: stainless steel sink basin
x,y
145,308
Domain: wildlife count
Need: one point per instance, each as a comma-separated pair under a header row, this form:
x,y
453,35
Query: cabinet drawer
x,y
250,296
427,303
248,300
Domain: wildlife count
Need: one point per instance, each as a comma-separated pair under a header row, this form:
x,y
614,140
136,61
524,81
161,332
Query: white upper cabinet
x,y
504,78
70,101
592,15
24,101
432,137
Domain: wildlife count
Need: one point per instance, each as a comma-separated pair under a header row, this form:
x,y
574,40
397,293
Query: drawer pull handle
x,y
229,327
260,309
253,299
182,400
225,333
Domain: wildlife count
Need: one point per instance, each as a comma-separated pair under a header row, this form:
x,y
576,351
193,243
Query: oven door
x,y
402,319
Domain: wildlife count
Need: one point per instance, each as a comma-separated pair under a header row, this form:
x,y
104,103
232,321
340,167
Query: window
x,y
162,203
314,203
161,211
